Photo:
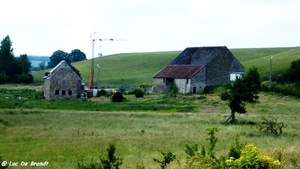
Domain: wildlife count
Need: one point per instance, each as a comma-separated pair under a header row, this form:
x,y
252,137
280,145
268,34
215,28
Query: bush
x,y
2,79
25,78
168,158
271,126
252,158
111,162
5,79
117,97
102,92
138,93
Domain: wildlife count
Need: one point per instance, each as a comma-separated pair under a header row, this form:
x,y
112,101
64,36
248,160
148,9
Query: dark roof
x,y
199,55
178,71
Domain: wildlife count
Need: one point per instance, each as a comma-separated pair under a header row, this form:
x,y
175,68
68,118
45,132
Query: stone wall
x,y
63,84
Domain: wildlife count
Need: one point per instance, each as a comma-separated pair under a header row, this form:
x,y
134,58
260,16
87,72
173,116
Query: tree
x,y
241,91
76,55
42,65
6,55
24,63
57,57
292,74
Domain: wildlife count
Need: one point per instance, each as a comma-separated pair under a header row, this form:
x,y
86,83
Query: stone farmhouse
x,y
62,82
198,67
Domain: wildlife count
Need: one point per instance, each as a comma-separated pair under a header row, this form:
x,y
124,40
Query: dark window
x,y
70,92
63,92
64,81
187,81
56,92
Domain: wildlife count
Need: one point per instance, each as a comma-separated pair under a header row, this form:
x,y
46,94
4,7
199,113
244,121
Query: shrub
x,y
138,93
205,158
117,97
236,149
102,92
2,79
168,158
5,79
112,161
172,90
271,126
30,78
24,78
252,158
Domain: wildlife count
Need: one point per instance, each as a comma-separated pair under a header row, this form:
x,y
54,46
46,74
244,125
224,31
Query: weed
x,y
271,126
112,161
168,158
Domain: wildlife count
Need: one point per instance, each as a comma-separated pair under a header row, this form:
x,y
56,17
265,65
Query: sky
x,y
41,27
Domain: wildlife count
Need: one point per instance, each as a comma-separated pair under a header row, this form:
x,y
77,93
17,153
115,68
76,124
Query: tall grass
x,y
65,137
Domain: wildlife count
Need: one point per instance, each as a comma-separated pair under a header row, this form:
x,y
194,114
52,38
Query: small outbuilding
x,y
62,82
198,67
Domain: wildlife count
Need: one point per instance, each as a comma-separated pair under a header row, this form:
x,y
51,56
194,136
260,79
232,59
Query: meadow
x,y
66,132
65,137
136,69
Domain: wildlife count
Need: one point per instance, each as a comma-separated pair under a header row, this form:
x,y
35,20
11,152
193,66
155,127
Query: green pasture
x,y
64,137
136,69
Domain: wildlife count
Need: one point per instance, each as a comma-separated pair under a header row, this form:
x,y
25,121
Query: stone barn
x,y
198,67
62,82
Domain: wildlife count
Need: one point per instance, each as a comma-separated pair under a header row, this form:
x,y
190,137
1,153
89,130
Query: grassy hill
x,y
135,69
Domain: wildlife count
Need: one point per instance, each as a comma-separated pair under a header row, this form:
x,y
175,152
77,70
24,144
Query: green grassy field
x,y
65,137
135,69
69,131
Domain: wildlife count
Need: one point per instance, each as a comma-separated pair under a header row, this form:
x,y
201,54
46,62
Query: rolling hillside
x,y
135,69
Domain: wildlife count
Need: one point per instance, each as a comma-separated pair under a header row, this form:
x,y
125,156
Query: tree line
x,y
13,69
75,56
17,69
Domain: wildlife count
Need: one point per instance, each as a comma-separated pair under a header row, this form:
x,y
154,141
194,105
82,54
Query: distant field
x,y
35,63
135,69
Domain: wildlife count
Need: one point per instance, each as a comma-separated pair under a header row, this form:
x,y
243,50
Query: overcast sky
x,y
40,27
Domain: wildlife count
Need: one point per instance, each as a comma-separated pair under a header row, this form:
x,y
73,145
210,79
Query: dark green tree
x,y
76,55
6,56
292,74
24,63
57,57
241,91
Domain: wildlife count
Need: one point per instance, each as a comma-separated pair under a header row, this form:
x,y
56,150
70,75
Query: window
x,y
70,92
187,81
64,81
63,92
56,92
233,76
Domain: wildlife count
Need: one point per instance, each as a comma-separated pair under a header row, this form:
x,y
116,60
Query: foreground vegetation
x,y
65,137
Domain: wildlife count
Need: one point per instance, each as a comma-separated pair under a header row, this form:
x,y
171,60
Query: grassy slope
x,y
135,69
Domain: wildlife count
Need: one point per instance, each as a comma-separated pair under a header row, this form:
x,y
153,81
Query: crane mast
x,y
91,75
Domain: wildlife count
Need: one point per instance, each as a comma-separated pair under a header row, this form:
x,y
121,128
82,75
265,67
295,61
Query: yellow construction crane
x,y
93,39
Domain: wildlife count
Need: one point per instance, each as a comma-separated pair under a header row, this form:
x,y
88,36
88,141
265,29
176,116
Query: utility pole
x,y
98,83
